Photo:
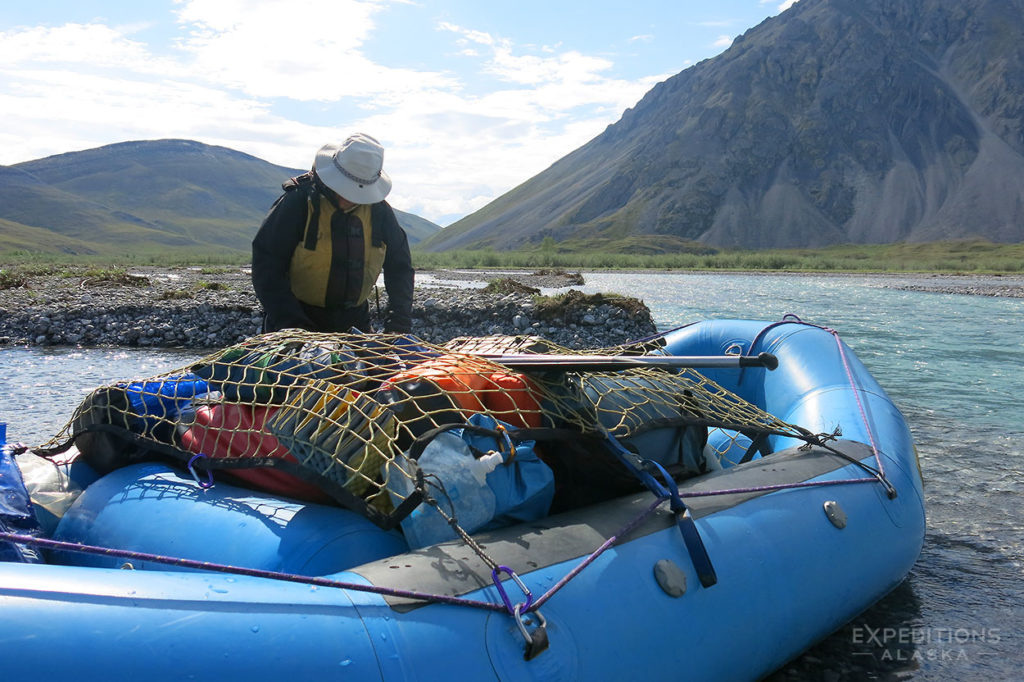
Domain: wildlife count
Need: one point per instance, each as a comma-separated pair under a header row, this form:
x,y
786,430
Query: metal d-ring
x,y
538,641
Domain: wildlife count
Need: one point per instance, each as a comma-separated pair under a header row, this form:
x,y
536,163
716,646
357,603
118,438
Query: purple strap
x,y
241,570
860,405
626,530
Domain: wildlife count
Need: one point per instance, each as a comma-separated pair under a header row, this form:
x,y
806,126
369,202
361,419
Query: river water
x,y
952,363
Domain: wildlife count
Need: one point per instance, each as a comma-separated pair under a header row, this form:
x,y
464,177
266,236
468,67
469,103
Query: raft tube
x,y
792,565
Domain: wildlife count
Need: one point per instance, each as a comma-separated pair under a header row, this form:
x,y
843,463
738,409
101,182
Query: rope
x,y
242,570
860,405
453,521
327,582
592,557
879,473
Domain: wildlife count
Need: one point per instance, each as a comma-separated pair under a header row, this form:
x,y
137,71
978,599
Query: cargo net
x,y
325,417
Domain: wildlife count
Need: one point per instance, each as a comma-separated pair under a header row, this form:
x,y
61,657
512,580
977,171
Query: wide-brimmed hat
x,y
354,169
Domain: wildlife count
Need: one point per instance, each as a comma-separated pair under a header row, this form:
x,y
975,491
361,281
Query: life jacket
x,y
477,385
316,257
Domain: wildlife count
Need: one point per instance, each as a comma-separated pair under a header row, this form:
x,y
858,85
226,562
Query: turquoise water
x,y
952,363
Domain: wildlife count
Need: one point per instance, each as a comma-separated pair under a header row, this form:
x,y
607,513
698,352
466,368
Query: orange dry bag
x,y
477,385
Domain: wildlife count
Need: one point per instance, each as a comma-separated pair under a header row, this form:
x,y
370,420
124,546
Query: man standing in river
x,y
317,256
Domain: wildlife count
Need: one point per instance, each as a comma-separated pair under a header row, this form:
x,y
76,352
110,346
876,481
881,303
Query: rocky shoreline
x,y
192,307
195,307
1005,286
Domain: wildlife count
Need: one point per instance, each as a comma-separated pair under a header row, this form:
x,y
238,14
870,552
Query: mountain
x,y
837,121
162,194
416,228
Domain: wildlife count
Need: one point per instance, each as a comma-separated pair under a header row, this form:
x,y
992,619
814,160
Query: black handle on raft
x,y
766,360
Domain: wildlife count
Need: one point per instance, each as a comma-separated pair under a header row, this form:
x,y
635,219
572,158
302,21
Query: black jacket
x,y
275,242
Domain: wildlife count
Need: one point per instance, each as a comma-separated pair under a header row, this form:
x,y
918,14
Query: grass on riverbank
x,y
44,262
976,257
938,257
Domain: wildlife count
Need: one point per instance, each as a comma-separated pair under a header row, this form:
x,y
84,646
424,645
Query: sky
x,y
469,98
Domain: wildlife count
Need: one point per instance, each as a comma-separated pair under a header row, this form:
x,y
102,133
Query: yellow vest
x,y
310,268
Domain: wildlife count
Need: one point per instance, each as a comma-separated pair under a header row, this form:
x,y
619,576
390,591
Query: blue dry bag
x,y
513,486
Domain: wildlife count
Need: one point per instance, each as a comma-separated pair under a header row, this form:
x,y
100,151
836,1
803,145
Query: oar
x,y
572,363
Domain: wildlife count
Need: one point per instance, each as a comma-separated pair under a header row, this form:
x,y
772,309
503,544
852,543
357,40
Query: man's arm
x,y
399,275
272,250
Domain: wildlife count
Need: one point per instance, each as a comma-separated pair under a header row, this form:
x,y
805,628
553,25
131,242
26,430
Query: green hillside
x,y
145,197
27,200
17,237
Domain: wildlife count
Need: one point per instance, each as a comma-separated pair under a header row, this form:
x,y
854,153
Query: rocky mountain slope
x,y
838,121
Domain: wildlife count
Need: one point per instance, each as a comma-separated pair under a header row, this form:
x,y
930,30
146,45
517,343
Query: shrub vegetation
x,y
975,257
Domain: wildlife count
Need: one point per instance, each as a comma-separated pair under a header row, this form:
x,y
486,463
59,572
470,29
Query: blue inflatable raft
x,y
728,578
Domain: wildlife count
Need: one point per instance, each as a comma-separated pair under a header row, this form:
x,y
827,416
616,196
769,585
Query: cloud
x,y
57,110
723,41
502,60
782,6
307,52
47,44
467,35
530,78
452,153
247,75
88,46
461,150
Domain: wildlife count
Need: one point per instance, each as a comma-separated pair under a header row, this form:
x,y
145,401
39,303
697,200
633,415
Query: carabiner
x,y
524,606
507,440
192,470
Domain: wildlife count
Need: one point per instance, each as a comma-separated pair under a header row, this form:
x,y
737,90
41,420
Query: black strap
x,y
313,224
422,440
758,443
684,519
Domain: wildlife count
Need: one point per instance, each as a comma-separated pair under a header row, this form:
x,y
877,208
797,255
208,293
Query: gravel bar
x,y
192,307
